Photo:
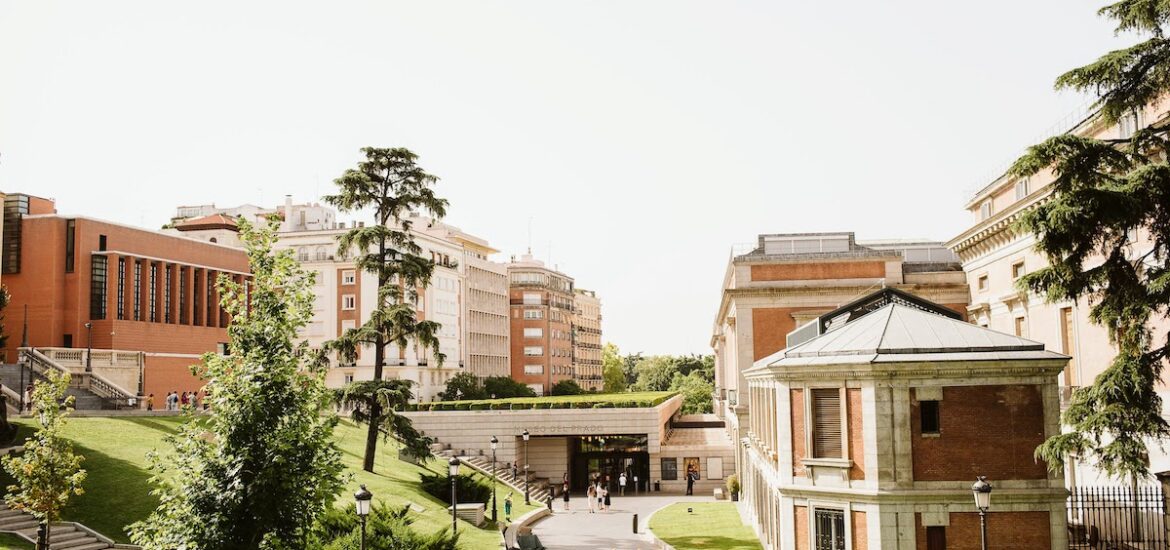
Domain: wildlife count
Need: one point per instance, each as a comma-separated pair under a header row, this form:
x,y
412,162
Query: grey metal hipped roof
x,y
900,333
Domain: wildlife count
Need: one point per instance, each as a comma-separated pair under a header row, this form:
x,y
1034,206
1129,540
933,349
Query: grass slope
x,y
13,542
117,492
712,525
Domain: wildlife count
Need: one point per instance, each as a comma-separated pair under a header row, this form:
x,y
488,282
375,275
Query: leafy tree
x,y
48,472
614,379
463,386
696,391
502,387
386,396
389,182
566,387
259,469
655,373
703,364
387,529
630,367
1104,193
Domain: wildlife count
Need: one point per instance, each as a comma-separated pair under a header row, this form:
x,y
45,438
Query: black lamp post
x,y
88,347
494,442
453,470
525,435
982,492
362,499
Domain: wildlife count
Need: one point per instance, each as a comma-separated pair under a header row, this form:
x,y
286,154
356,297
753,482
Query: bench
x,y
471,512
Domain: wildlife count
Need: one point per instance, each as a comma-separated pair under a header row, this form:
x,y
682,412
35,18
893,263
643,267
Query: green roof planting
x,y
634,400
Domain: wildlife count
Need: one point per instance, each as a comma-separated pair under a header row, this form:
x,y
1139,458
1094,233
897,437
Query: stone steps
x,y
62,536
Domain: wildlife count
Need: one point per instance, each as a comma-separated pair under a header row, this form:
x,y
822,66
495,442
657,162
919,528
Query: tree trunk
x,y
379,363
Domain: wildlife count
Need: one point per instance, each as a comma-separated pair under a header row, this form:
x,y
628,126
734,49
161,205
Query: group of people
x,y
597,495
176,400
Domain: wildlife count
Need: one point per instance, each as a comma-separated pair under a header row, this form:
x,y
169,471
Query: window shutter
x,y
827,423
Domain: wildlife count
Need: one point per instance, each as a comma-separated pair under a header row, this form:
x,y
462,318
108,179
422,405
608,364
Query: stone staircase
x,y
538,488
62,536
83,399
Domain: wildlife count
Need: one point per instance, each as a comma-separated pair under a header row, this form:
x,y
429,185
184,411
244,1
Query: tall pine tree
x,y
1105,231
389,182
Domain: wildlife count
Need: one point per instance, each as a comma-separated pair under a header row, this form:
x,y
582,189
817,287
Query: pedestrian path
x,y
577,529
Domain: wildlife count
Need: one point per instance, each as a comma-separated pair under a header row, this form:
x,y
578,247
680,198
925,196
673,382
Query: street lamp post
x,y
453,470
362,502
494,442
982,492
525,435
88,347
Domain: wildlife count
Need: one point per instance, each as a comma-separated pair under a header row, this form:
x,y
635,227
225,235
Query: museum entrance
x,y
606,457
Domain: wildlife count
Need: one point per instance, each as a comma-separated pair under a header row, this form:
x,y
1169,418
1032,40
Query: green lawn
x,y
117,489
712,525
585,400
13,542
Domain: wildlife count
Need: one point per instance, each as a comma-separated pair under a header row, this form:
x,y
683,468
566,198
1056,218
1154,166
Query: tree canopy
x,y
1105,231
262,466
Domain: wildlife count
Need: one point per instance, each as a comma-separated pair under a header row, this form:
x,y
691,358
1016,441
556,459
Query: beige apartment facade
x,y
784,281
995,255
587,339
486,329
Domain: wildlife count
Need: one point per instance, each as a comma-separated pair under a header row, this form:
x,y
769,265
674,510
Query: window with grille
x,y
121,289
1021,189
985,210
826,417
153,293
97,287
533,333
137,291
829,529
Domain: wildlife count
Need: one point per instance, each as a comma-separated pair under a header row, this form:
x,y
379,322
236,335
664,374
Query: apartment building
x,y
218,225
587,339
869,431
784,281
995,255
145,300
486,330
541,301
345,296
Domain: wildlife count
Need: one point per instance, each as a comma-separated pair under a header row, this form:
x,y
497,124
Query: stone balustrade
x,y
121,367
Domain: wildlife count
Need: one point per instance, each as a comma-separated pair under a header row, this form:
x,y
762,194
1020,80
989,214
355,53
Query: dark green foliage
x,y
468,487
566,387
388,396
1105,194
386,529
389,182
463,386
502,387
612,373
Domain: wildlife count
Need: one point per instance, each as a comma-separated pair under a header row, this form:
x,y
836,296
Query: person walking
x,y
28,391
600,498
622,484
508,507
150,402
515,471
591,496
691,482
565,494
605,495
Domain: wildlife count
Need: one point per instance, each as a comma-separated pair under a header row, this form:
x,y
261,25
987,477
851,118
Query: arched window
x,y
322,253
303,254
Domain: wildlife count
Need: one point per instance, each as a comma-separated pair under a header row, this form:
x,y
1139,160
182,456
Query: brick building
x,y
783,281
141,290
541,302
587,340
868,430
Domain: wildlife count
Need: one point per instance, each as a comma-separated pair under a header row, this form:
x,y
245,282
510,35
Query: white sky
x,y
642,138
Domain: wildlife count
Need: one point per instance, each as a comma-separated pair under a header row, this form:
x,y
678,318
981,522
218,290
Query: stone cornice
x,y
924,370
997,230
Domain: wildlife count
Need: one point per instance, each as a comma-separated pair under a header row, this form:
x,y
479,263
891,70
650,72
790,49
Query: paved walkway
x,y
577,529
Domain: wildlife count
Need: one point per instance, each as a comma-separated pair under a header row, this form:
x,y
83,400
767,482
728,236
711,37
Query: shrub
x,y
733,484
469,488
387,529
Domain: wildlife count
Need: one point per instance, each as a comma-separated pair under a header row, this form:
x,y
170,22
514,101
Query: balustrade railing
x,y
71,361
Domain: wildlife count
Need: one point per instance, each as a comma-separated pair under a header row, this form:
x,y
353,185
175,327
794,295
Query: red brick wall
x,y
59,304
860,532
801,525
770,328
856,439
798,435
1012,417
165,374
1006,531
818,271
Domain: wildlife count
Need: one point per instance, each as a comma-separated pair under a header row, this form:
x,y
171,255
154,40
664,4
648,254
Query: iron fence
x,y
1117,518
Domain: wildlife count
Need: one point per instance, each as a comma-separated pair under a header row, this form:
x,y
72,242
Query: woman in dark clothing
x,y
565,495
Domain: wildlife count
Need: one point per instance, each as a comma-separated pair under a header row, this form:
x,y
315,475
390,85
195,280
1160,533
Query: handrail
x,y
98,384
